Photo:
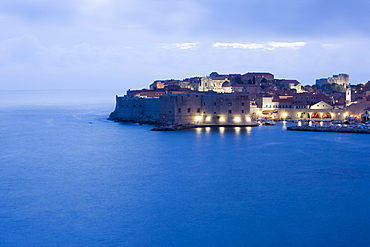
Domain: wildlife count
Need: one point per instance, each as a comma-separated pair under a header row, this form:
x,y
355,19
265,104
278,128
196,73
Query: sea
x,y
70,177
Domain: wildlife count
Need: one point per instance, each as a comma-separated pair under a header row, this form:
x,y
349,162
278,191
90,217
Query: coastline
x,y
330,129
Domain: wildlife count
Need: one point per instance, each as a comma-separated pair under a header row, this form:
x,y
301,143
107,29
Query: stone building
x,y
205,109
366,115
218,84
136,109
341,79
299,106
257,77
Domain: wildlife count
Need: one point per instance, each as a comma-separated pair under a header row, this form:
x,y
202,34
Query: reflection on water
x,y
224,130
119,184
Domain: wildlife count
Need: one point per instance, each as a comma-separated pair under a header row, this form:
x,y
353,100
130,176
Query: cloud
x,y
330,46
264,46
181,46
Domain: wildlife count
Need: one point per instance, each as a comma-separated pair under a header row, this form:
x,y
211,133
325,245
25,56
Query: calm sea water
x,y
69,177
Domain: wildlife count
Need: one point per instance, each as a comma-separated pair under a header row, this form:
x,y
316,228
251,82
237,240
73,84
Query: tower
x,y
348,95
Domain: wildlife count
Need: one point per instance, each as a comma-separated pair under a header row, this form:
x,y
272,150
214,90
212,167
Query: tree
x,y
238,80
334,87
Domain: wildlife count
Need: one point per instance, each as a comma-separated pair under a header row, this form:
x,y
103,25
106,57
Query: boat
x,y
269,122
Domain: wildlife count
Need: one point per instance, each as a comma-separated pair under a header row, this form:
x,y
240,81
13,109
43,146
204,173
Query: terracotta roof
x,y
301,103
289,100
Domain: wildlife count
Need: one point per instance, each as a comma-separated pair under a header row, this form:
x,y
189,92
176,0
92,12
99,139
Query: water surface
x,y
69,177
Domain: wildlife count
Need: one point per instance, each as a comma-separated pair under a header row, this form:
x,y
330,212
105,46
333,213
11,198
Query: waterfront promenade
x,y
345,129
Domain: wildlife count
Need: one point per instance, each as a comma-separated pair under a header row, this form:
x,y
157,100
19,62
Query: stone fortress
x,y
232,99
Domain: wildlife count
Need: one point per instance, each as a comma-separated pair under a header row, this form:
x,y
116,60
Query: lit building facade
x,y
205,109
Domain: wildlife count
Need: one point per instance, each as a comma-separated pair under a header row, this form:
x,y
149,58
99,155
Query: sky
x,y
122,44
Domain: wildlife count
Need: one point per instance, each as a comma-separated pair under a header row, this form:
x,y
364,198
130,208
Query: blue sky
x,y
121,44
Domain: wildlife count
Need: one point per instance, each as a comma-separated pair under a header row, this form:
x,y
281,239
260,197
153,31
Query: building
x,y
208,108
257,77
299,107
341,79
291,84
205,109
136,109
218,84
366,115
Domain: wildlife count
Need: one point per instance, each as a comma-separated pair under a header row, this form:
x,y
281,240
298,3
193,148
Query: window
x,y
189,110
214,113
198,110
230,111
242,103
179,110
214,103
230,104
242,111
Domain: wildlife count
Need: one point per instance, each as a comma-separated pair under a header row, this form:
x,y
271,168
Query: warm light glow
x,y
198,118
208,118
284,115
345,114
222,119
237,119
249,129
208,129
222,129
237,130
259,113
248,119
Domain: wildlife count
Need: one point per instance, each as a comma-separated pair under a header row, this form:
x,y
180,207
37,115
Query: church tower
x,y
348,95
